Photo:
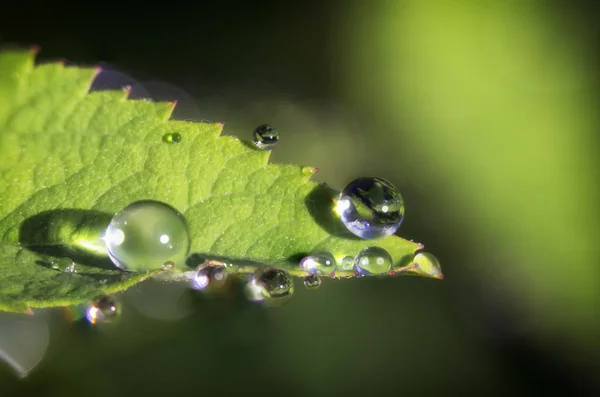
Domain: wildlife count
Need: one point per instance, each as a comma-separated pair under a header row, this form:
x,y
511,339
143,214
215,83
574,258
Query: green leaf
x,y
72,158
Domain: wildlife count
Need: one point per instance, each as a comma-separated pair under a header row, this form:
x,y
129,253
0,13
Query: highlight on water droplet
x,y
322,263
370,208
211,275
172,137
168,265
312,281
147,234
271,286
103,309
373,260
425,264
266,137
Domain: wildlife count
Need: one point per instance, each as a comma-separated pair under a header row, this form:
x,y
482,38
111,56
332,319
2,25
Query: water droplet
x,y
168,265
309,170
373,260
428,265
103,309
322,263
371,208
146,234
312,282
213,276
271,286
64,265
172,137
347,263
266,137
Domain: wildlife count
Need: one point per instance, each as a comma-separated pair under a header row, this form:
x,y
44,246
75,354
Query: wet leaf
x,y
71,158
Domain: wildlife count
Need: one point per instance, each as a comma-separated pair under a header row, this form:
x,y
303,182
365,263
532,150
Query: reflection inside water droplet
x,y
322,263
271,286
312,281
211,275
373,260
103,309
266,137
347,263
370,208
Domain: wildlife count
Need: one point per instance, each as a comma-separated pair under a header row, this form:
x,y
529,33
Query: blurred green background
x,y
484,114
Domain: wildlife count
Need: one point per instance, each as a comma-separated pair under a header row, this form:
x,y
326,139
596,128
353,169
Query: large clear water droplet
x,y
266,137
210,276
428,265
322,263
146,234
371,208
103,309
271,286
312,281
373,260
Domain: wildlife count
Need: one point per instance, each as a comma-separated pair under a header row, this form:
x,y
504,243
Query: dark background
x,y
247,64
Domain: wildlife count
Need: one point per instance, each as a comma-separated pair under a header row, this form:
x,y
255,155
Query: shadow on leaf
x,y
72,233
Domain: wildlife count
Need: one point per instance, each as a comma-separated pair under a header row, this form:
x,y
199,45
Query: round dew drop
x,y
270,285
322,263
266,137
347,264
373,260
312,282
103,309
371,208
172,137
145,235
209,276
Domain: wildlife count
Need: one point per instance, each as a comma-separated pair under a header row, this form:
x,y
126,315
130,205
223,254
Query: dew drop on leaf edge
x,y
373,260
427,263
321,263
266,137
312,281
209,276
271,286
103,309
370,208
145,235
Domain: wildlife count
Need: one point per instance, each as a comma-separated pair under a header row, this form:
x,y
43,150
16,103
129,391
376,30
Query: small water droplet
x,y
312,282
103,309
168,265
210,276
266,137
64,265
347,263
146,234
373,260
427,265
172,137
271,286
322,263
371,208
309,170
